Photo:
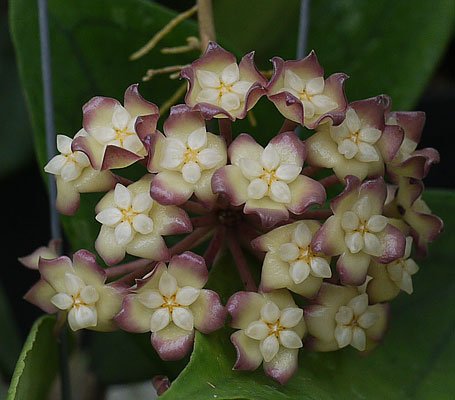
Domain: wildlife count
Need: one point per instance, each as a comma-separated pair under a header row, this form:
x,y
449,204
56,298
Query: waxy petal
x,y
172,343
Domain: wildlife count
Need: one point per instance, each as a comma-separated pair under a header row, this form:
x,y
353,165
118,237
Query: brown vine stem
x,y
225,127
316,214
241,263
173,99
329,181
138,273
162,71
163,32
206,220
310,170
118,270
215,246
206,24
195,238
194,207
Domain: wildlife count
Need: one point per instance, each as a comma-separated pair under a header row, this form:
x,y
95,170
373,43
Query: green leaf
x,y
415,361
91,42
37,364
10,345
15,135
386,46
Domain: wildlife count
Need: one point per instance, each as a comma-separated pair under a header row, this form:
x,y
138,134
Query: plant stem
x,y
206,24
225,126
329,181
195,238
173,99
206,220
118,270
215,246
138,273
310,170
163,32
240,262
315,214
194,207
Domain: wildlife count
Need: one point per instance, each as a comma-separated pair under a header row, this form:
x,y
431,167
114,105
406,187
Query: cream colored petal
x,y
73,283
299,271
250,168
191,172
82,317
122,196
359,304
369,135
320,267
183,318
352,120
344,315
302,235
348,148
359,339
290,317
269,347
372,244
207,79
270,158
343,335
70,171
142,202
367,153
174,151
167,284
197,139
288,251
89,295
209,158
288,172
323,104
315,86
377,223
257,330
367,319
350,221
150,298
208,95
230,74
143,224
55,165
354,242
270,312
290,339
120,117
62,301
257,189
362,208
160,319
64,144
241,87
230,101
293,81
280,192
187,295
110,216
123,233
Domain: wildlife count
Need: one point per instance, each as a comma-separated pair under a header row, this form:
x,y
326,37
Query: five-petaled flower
x,y
185,159
116,133
133,223
78,288
358,231
171,303
271,328
219,87
301,94
290,261
268,180
341,317
74,175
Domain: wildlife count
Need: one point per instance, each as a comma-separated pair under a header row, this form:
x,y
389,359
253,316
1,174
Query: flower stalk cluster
x,y
329,266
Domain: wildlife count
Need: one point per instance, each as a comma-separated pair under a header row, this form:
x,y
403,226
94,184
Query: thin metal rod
x,y
51,151
304,21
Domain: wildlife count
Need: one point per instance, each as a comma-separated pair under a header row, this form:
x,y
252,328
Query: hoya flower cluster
x,y
328,265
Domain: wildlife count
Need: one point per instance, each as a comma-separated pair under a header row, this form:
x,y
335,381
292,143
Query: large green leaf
x,y
10,343
415,361
386,46
37,364
91,42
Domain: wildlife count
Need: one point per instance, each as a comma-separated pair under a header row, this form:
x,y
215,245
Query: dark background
x,y
25,216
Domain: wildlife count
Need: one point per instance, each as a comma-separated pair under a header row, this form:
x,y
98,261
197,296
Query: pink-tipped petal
x,y
346,198
381,288
376,192
412,123
136,105
40,295
328,239
320,321
282,298
269,211
189,269
108,306
171,220
151,246
322,150
289,106
208,312
353,268
86,267
335,295
249,356
377,331
372,110
305,192
275,273
53,271
50,251
244,146
283,365
68,198
290,148
145,127
244,308
172,343
394,243
390,141
89,146
230,182
116,157
169,188
134,316
107,247
98,112
182,121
